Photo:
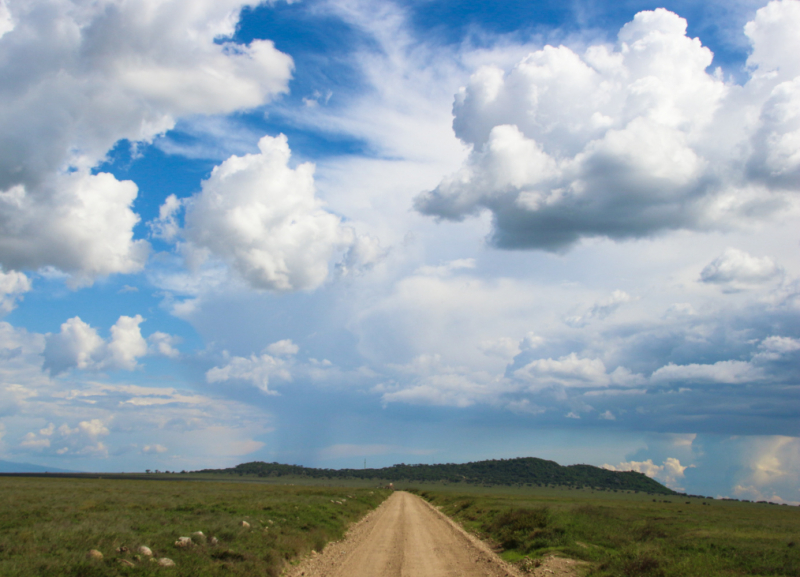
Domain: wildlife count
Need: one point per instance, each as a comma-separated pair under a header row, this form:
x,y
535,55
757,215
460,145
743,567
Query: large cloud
x,y
629,141
642,359
80,223
573,371
78,77
262,217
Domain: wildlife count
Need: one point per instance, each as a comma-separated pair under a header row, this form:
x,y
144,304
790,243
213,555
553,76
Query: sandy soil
x,y
556,567
405,537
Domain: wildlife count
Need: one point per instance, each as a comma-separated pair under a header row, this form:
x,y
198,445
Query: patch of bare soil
x,y
552,566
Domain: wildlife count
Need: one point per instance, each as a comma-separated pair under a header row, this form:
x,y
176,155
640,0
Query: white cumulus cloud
x,y
81,440
669,472
274,363
80,223
736,270
627,141
12,285
127,343
774,348
733,372
163,344
78,345
568,371
262,217
80,76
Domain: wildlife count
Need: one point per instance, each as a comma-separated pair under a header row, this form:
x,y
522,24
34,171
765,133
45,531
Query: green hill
x,y
521,471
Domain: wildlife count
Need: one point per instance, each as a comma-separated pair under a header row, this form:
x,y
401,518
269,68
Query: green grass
x,y
47,525
631,534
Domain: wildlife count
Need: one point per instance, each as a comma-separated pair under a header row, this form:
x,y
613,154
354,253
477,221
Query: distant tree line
x,y
522,471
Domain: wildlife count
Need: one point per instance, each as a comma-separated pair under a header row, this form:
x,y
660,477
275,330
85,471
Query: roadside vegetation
x,y
49,525
628,534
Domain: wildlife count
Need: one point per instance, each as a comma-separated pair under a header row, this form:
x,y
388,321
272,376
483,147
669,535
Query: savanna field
x,y
48,525
631,534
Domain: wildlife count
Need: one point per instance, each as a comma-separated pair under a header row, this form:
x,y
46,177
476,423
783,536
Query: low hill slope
x,y
10,467
527,470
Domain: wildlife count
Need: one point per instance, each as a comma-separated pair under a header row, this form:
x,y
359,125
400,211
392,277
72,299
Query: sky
x,y
338,232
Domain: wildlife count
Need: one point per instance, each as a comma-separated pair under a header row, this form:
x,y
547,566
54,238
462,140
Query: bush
x,y
525,530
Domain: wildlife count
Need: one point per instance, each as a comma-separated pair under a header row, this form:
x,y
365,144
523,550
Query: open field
x,y
47,525
630,534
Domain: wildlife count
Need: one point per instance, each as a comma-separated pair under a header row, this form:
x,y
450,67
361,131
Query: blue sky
x,y
319,232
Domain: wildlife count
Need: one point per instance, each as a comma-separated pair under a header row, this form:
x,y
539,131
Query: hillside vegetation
x,y
527,471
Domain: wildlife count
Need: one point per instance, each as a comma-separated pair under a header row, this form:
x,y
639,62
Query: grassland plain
x,y
629,534
47,525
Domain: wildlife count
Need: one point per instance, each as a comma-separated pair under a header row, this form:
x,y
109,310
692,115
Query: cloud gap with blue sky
x,y
320,231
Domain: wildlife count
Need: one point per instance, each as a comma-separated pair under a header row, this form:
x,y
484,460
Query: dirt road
x,y
405,537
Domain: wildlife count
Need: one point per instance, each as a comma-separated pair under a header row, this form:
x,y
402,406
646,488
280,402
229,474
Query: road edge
x,y
477,542
303,565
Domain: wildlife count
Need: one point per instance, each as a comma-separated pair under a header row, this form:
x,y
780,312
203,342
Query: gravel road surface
x,y
405,537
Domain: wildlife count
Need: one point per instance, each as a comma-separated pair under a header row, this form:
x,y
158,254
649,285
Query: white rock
x,y
184,542
245,524
94,554
164,562
145,551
